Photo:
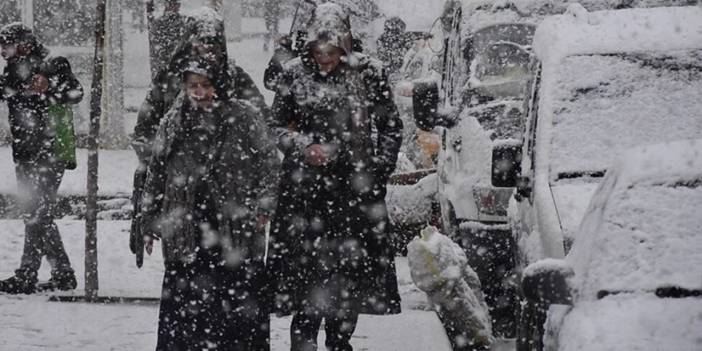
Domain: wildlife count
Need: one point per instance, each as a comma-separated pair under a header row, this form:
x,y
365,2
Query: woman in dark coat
x,y
210,188
340,131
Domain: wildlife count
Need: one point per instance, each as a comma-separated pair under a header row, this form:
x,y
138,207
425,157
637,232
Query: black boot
x,y
18,285
62,281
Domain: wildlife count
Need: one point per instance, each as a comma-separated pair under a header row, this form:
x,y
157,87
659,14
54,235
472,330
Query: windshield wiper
x,y
581,174
673,292
677,292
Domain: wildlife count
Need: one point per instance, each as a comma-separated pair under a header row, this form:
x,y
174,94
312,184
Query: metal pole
x,y
91,259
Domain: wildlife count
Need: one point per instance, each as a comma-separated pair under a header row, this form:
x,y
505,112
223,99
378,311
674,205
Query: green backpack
x,y
65,141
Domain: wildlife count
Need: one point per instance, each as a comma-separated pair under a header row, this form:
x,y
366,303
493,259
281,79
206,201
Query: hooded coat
x,y
330,236
212,175
31,126
233,81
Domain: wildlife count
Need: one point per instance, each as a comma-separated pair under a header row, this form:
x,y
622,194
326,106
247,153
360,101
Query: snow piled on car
x,y
643,323
606,103
642,229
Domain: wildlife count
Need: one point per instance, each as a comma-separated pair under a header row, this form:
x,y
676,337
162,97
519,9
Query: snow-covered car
x,y
604,82
632,280
480,103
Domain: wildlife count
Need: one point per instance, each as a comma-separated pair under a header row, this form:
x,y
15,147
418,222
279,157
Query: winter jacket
x,y
329,233
238,176
163,93
30,124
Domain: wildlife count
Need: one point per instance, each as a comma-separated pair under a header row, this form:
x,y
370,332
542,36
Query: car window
x,y
605,103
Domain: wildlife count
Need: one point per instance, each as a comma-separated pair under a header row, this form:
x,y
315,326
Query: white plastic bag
x,y
439,267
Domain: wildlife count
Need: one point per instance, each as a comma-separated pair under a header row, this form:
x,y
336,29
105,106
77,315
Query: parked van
x,y
478,109
603,82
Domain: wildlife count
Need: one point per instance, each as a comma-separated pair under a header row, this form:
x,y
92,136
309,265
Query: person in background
x,y
31,84
392,45
271,15
164,35
331,257
209,191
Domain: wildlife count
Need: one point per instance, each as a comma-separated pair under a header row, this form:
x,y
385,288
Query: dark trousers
x,y
338,326
460,339
38,184
205,305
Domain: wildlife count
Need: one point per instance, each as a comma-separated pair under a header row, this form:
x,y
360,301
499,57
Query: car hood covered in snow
x,y
632,322
641,231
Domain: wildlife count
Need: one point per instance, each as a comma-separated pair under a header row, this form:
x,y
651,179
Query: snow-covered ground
x,y
34,323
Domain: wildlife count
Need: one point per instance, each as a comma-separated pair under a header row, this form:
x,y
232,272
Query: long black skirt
x,y
206,305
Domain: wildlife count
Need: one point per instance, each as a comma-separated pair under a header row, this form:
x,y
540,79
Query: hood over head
x,y
18,33
395,25
204,27
331,24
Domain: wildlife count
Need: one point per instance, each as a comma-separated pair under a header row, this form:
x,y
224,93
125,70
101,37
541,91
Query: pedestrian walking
x,y
271,16
165,33
37,88
336,122
210,189
205,40
392,45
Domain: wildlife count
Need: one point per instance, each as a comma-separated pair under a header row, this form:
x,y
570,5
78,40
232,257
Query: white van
x,y
480,102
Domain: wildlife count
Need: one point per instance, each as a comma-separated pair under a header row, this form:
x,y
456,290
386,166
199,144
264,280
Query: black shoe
x,y
17,285
64,281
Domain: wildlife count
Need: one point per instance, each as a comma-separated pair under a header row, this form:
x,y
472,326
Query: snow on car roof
x,y
480,14
629,30
642,228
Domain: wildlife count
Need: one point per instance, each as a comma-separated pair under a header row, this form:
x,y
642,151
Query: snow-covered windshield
x,y
605,103
649,238
498,60
520,35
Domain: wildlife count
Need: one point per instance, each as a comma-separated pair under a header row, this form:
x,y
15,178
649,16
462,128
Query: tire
x,y
530,329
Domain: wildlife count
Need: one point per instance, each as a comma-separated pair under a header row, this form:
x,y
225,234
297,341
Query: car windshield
x,y
519,35
502,120
503,61
649,238
605,103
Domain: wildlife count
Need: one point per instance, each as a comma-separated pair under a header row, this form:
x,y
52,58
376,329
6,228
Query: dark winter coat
x,y
166,88
330,235
211,175
237,177
30,124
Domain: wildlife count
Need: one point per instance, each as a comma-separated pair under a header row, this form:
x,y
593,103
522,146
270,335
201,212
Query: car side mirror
x,y
506,165
547,282
523,188
425,102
